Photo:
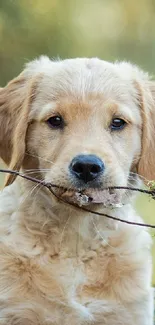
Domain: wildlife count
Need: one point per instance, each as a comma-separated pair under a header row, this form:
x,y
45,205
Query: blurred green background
x,y
110,29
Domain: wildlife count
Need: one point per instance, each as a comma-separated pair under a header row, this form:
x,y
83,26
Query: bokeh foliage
x,y
110,29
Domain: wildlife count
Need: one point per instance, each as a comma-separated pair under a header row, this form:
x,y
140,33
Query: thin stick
x,y
35,180
103,214
50,186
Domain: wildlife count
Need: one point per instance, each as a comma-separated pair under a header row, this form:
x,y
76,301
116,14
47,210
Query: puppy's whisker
x,y
27,195
39,185
31,191
39,189
35,156
36,171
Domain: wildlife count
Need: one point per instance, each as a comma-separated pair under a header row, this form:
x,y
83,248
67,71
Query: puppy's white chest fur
x,y
75,271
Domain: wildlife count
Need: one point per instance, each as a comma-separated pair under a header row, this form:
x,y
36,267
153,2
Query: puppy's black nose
x,y
86,167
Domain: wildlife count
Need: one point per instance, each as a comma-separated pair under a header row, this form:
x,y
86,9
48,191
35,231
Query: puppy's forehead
x,y
81,80
80,77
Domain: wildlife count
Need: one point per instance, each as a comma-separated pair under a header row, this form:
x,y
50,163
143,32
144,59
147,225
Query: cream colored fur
x,y
60,265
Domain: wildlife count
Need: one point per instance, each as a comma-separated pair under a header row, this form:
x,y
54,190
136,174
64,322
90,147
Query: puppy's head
x,y
83,123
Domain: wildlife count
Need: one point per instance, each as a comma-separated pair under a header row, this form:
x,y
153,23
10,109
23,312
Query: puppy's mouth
x,y
105,197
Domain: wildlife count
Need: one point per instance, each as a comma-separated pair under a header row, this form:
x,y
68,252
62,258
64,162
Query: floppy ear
x,y
143,91
146,165
15,101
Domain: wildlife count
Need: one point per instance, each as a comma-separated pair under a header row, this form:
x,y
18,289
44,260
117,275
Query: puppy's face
x,y
85,124
87,130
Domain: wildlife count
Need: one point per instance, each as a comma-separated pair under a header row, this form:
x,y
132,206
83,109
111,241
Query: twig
x,y
49,186
103,214
35,180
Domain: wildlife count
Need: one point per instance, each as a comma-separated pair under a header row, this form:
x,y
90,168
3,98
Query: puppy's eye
x,y
117,124
56,122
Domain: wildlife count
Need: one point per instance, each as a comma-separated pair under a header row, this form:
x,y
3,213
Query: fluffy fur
x,y
58,264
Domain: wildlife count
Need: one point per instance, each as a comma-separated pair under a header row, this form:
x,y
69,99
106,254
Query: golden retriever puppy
x,y
83,125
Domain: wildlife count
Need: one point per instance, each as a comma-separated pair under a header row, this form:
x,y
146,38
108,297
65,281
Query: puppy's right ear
x,y
15,102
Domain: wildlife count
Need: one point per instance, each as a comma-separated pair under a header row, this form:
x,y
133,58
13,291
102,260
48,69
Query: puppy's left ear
x,y
142,88
15,102
146,164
